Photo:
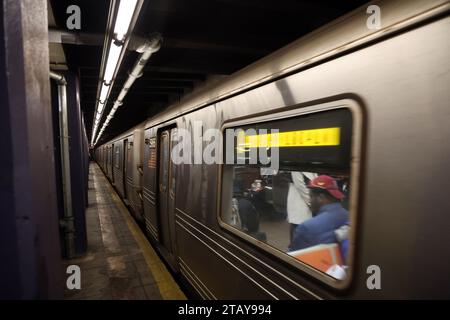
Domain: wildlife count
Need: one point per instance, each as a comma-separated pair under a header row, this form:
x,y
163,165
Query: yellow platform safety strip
x,y
167,286
322,137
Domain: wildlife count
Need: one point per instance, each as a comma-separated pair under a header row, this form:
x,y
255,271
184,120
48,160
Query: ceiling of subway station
x,y
203,40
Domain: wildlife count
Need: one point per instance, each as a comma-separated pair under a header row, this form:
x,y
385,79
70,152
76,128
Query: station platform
x,y
120,263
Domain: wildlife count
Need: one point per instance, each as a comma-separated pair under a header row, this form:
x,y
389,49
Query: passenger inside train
x,y
328,215
313,214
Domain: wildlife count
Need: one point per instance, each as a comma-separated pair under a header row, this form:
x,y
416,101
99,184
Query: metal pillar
x,y
30,265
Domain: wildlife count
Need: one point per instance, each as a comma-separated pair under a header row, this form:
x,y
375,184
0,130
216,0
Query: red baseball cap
x,y
326,183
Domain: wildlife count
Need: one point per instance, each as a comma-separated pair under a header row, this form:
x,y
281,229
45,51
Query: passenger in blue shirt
x,y
328,215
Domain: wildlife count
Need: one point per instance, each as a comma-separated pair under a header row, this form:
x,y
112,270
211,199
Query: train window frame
x,y
355,167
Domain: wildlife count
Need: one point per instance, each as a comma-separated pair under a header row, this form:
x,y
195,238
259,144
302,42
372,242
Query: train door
x,y
166,180
106,155
128,180
108,162
104,158
112,163
125,169
171,204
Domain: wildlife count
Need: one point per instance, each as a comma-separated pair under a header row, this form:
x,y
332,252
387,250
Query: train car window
x,y
298,206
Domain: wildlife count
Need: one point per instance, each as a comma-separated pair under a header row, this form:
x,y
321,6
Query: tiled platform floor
x,y
119,263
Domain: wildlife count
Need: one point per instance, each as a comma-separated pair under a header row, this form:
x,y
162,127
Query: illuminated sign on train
x,y
301,138
321,139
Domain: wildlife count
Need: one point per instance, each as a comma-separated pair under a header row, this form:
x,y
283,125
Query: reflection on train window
x,y
117,159
301,207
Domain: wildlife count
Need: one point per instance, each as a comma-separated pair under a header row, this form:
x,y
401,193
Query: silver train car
x,y
368,107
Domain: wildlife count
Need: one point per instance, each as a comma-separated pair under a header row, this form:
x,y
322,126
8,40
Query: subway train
x,y
366,106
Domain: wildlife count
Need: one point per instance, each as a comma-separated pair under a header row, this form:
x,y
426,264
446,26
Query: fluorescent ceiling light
x,y
123,19
100,107
122,24
103,95
111,62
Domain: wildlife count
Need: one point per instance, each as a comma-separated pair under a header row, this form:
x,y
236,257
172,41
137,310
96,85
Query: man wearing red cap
x,y
328,215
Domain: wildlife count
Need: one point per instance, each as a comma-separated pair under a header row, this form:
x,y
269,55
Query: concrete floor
x,y
119,263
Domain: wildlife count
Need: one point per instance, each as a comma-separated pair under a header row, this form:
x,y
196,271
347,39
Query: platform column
x,y
29,238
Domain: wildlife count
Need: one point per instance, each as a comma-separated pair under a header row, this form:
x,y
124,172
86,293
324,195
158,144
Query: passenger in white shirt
x,y
298,201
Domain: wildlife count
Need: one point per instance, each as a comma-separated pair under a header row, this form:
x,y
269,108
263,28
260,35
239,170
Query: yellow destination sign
x,y
322,137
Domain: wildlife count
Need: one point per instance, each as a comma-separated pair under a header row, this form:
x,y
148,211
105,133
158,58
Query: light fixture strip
x,y
116,45
112,61
152,46
124,16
